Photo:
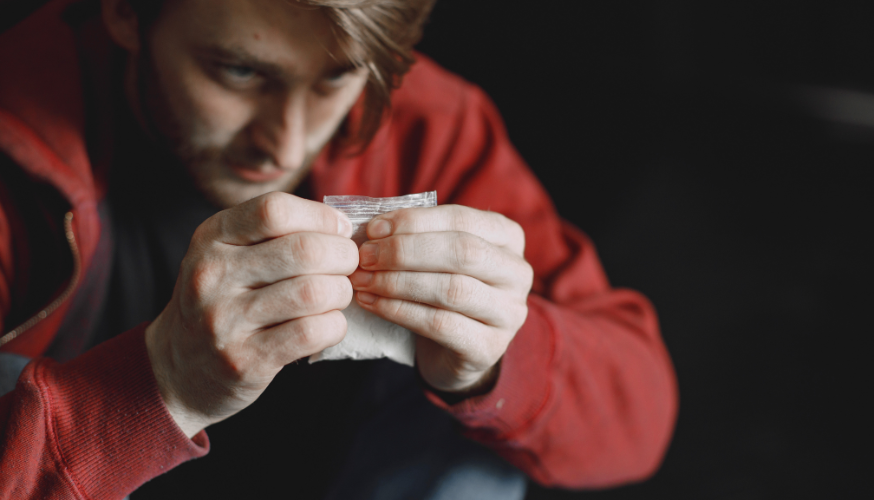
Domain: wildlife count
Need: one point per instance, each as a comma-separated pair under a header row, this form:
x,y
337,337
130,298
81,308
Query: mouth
x,y
257,173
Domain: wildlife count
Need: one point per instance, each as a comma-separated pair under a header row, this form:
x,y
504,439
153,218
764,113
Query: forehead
x,y
280,32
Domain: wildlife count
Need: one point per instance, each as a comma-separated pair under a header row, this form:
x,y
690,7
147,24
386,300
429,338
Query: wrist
x,y
161,361
481,386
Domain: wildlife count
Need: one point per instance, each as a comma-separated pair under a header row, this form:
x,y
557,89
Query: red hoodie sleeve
x,y
93,428
586,395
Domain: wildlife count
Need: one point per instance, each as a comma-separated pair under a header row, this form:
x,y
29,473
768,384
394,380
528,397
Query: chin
x,y
221,187
227,193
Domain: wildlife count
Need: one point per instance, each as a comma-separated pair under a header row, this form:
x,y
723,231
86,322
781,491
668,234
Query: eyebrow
x,y
241,57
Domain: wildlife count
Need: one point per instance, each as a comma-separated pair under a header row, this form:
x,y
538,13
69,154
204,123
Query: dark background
x,y
716,152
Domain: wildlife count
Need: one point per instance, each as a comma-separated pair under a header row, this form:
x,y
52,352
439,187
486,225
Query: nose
x,y
280,130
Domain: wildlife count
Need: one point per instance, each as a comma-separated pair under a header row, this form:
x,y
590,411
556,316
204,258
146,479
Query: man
x,y
160,144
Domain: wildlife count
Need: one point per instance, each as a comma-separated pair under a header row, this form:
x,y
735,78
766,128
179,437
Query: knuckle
x,y
399,219
441,322
457,292
397,309
514,228
393,283
201,234
307,250
203,274
306,335
344,288
253,309
517,236
311,293
345,294
348,251
458,217
514,316
527,276
469,251
212,319
393,251
326,217
335,328
471,220
405,251
272,212
406,220
314,333
493,352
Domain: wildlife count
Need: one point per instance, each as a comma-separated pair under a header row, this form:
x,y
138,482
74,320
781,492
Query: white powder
x,y
368,336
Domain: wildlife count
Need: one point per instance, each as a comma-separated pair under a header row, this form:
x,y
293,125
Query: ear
x,y
121,22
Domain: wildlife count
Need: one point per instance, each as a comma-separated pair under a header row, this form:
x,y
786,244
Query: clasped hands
x,y
263,284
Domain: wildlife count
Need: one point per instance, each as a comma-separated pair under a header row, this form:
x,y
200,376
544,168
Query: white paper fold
x,y
371,337
368,336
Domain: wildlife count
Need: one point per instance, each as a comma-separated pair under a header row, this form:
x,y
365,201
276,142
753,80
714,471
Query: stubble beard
x,y
206,165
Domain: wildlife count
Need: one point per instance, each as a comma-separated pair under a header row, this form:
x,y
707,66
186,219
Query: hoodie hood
x,y
43,124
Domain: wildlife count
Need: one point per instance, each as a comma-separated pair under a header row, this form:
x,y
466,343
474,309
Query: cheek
x,y
206,113
216,115
329,112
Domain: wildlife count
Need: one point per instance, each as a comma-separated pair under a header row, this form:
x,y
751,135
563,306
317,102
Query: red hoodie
x,y
586,396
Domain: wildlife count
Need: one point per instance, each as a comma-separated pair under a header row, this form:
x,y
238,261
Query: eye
x,y
234,76
239,73
337,80
340,76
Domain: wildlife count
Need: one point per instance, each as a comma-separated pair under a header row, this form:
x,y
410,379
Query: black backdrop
x,y
712,151
705,149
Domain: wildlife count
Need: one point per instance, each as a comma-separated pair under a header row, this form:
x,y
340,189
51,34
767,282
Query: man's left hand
x,y
455,276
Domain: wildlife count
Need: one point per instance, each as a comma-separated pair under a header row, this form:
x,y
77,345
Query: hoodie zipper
x,y
55,304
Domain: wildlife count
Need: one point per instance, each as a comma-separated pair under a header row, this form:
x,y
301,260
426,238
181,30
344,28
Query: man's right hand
x,y
262,285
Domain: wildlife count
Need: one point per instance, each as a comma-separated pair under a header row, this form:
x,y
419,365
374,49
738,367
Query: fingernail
x,y
369,254
344,226
366,298
361,278
379,229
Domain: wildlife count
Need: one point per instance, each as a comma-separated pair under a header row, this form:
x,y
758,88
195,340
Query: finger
x,y
454,292
292,255
490,226
272,215
445,252
471,340
294,298
299,338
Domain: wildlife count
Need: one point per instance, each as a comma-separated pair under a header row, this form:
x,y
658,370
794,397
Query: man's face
x,y
246,92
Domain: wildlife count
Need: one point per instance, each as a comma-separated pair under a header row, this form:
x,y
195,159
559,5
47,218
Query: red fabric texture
x,y
93,428
586,395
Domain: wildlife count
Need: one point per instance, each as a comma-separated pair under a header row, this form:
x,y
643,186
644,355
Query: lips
x,y
257,174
